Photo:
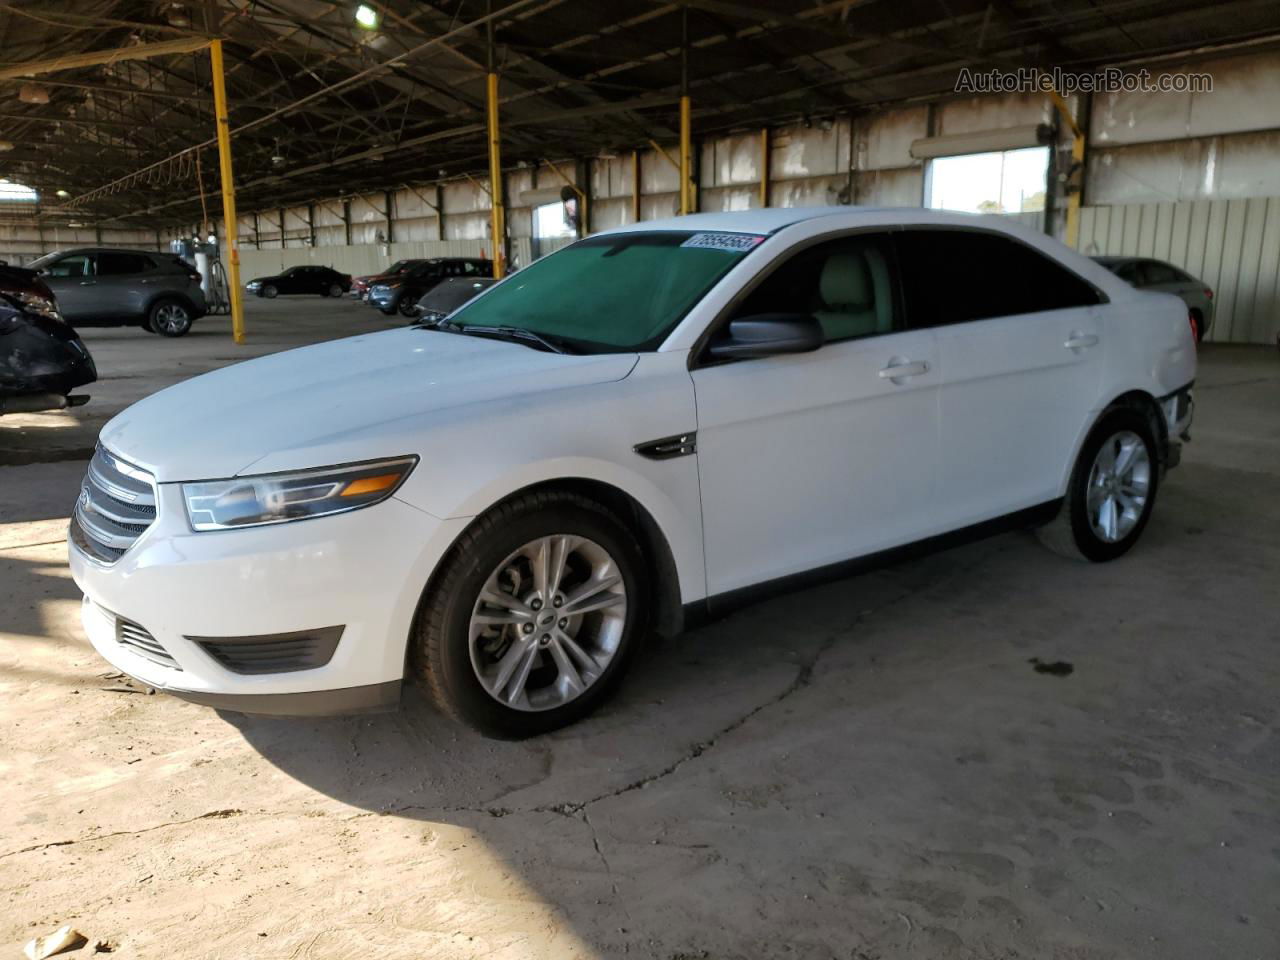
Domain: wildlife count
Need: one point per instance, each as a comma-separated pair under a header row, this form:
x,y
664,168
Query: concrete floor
x,y
867,770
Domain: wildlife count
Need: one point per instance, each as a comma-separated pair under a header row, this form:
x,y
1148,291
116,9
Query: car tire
x,y
1112,490
492,666
170,318
270,292
335,290
408,307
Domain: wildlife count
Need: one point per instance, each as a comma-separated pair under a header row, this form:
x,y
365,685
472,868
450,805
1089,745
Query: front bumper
x,y
363,570
383,299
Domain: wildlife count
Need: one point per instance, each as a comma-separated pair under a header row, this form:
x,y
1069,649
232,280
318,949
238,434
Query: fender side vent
x,y
667,448
273,652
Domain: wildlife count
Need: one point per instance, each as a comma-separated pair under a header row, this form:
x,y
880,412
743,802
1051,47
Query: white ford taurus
x,y
642,428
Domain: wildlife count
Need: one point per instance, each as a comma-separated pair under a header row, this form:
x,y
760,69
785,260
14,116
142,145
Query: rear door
x,y
126,283
810,459
1020,350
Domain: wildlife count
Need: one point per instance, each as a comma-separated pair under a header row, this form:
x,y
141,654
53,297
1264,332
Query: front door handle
x,y
1079,341
897,371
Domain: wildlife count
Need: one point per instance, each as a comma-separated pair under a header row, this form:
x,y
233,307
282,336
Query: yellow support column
x,y
686,159
228,190
496,214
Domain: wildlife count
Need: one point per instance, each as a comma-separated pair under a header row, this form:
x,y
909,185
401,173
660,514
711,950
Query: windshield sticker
x,y
733,242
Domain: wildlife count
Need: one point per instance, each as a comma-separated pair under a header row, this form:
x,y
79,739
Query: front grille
x,y
138,639
117,503
273,653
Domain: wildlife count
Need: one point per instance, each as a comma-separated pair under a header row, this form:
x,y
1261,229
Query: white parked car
x,y
633,432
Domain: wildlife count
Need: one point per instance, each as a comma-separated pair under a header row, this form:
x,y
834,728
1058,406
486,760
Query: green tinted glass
x,y
617,292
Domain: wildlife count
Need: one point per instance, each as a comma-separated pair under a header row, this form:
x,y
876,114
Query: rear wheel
x,y
170,318
408,307
534,617
1111,492
335,290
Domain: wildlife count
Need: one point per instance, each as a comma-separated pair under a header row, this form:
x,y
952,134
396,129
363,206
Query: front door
x,y
72,280
810,459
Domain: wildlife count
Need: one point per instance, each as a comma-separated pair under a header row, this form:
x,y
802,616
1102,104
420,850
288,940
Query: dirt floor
x,y
988,753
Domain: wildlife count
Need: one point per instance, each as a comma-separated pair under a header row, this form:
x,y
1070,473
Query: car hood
x,y
360,398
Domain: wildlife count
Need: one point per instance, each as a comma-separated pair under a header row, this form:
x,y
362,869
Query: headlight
x,y
280,497
253,285
34,303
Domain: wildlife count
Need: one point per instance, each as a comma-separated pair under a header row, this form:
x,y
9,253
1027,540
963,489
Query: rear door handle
x,y
899,371
1079,341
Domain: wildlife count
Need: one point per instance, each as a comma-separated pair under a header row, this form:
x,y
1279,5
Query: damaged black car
x,y
41,356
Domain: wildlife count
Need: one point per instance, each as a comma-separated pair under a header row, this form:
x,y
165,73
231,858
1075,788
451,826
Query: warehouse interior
x,y
980,753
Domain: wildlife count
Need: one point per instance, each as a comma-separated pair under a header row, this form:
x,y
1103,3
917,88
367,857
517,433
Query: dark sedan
x,y
324,281
447,296
401,293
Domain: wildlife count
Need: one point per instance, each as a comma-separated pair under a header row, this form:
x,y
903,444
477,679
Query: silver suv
x,y
104,287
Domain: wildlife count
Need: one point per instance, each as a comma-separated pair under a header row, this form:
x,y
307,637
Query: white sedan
x,y
637,431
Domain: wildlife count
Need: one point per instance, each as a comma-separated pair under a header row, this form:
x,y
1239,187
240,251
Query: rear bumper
x,y
1178,408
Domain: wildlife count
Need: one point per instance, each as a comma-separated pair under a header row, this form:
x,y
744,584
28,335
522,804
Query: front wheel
x,y
270,292
1111,492
170,318
534,616
408,307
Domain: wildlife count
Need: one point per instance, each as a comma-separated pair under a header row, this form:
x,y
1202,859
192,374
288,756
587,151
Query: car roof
x,y
772,219
146,253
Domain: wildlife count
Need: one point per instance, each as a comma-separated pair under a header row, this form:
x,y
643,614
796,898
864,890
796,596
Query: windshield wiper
x,y
515,334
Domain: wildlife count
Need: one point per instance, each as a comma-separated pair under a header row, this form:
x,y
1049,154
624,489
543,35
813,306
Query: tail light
x,y
1208,293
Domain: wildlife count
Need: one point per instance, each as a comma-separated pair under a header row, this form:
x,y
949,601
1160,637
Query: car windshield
x,y
612,293
400,266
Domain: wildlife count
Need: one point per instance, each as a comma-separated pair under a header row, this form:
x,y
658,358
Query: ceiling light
x,y
74,223
367,17
33,93
62,193
6,146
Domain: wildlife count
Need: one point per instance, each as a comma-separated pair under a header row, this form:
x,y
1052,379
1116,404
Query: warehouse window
x,y
11,192
1005,181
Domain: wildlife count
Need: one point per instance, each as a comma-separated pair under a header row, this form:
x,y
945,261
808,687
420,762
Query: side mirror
x,y
767,335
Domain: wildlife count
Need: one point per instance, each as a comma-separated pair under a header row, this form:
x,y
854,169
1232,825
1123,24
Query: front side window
x,y
623,291
78,265
956,276
847,284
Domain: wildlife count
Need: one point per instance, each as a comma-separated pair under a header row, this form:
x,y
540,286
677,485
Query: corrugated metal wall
x,y
1232,245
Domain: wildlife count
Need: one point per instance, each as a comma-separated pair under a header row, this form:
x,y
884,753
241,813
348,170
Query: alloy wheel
x,y
172,319
1119,485
547,622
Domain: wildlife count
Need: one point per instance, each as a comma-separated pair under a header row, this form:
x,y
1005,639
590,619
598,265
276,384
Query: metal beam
x,y
142,51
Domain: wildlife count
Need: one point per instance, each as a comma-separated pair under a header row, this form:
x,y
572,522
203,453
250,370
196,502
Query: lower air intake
x,y
275,652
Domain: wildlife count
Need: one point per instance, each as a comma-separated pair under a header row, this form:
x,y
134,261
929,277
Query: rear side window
x,y
956,276
1153,272
121,264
